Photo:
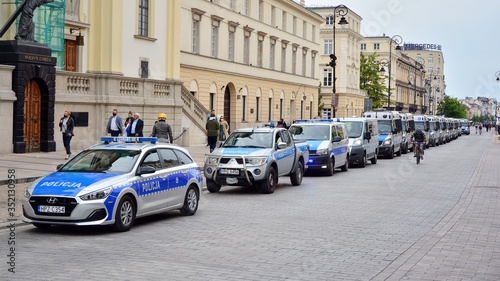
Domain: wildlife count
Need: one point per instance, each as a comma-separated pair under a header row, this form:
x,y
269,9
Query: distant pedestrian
x,y
66,125
136,126
115,125
162,129
129,119
212,127
223,129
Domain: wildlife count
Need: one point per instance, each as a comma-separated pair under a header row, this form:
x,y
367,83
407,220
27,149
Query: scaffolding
x,y
49,20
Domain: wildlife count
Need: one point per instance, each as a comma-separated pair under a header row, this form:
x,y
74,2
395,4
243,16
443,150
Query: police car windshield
x,y
250,140
310,132
103,161
354,128
384,126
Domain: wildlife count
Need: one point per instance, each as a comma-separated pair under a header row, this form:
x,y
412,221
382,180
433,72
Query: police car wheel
x,y
269,185
363,161
190,202
374,159
296,177
331,167
345,167
125,214
42,225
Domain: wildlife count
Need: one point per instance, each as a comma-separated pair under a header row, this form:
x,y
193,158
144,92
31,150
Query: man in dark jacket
x,y
212,127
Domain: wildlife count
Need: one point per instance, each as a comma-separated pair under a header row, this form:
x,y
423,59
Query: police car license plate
x,y
232,181
51,209
229,172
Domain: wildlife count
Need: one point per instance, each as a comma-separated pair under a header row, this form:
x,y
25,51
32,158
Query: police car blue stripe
x,y
67,183
313,145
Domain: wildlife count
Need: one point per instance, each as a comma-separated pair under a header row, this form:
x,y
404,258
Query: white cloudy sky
x,y
468,31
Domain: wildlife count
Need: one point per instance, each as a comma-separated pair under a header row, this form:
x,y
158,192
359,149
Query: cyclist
x,y
419,142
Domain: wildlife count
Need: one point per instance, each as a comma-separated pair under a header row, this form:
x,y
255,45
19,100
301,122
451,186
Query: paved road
x,y
390,221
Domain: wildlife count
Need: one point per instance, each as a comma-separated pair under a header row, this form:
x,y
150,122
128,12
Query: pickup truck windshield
x,y
310,132
250,139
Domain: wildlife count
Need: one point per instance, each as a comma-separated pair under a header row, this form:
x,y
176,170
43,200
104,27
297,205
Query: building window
x,y
215,39
430,59
294,27
144,69
273,16
329,20
143,17
246,49
283,21
261,10
244,108
196,37
283,57
327,46
311,110
272,50
304,62
281,108
327,77
257,109
211,102
247,10
231,4
313,65
230,52
269,109
260,47
363,46
294,60
313,33
376,46
304,29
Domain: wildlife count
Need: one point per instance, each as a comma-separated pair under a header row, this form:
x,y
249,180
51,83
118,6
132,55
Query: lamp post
x,y
340,10
434,97
398,40
432,76
419,65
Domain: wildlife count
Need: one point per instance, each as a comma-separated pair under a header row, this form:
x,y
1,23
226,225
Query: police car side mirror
x,y
336,139
281,145
427,129
59,166
146,170
368,135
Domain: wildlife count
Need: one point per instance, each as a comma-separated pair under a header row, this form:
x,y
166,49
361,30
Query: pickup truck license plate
x,y
229,172
51,209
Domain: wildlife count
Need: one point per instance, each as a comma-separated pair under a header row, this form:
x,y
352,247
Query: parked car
x,y
115,182
363,139
256,157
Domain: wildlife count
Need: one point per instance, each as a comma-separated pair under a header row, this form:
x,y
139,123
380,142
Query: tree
x,y
451,107
371,81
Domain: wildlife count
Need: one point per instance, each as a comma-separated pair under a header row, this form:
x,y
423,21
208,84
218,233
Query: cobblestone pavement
x,y
391,221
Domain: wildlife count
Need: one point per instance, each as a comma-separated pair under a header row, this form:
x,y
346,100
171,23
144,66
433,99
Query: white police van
x,y
423,122
328,144
115,182
390,132
363,139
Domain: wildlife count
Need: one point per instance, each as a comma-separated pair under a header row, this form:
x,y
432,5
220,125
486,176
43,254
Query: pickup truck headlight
x,y
387,141
357,142
323,151
98,194
257,161
211,160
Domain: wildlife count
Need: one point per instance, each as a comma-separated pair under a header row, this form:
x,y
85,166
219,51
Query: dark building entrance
x,y
33,82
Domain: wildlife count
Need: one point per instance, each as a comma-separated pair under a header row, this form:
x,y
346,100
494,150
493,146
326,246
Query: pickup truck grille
x,y
225,160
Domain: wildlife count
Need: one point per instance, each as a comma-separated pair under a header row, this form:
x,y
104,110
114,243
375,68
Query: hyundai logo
x,y
52,200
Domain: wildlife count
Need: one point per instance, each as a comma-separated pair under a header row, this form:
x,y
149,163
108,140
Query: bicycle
x,y
418,148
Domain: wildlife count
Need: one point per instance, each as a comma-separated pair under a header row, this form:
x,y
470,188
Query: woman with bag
x,y
66,125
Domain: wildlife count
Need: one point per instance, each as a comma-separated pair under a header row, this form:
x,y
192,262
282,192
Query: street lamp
x,y
340,10
432,97
429,83
419,65
398,40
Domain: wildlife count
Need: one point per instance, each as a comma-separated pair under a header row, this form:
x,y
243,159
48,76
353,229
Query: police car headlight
x,y
387,141
257,161
357,142
27,194
211,160
323,151
98,194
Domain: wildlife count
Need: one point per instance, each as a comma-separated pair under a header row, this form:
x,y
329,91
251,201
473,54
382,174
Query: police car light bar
x,y
128,139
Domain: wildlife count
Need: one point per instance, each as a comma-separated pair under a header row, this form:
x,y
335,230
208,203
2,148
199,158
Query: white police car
x,y
114,183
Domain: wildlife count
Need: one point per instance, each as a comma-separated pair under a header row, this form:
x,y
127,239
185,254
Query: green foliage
x,y
371,81
451,107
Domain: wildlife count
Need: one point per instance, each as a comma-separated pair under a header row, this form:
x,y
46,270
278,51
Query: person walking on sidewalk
x,y
66,125
212,127
162,129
